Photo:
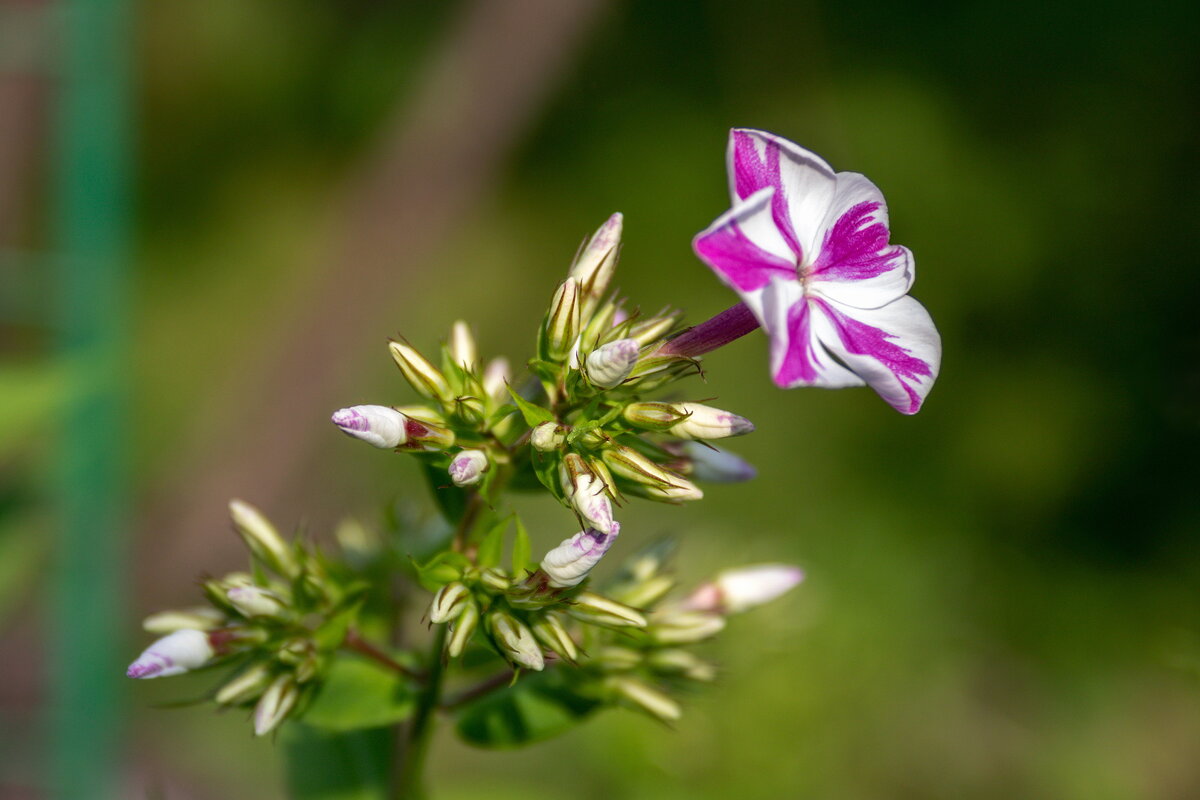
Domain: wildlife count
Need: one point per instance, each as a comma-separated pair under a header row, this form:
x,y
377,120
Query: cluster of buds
x,y
461,420
273,625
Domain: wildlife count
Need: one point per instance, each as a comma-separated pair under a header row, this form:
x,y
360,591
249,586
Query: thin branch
x,y
356,643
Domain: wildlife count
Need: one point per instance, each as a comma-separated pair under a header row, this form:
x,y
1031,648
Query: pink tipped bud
x,y
586,492
468,467
495,378
596,263
462,345
706,422
569,563
737,590
173,654
611,364
378,426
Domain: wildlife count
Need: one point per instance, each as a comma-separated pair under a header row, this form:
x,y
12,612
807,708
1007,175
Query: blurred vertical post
x,y
91,229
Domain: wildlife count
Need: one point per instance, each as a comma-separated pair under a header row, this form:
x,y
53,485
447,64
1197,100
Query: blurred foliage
x,y
1002,595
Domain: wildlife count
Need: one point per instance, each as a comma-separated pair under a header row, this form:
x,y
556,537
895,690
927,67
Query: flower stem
x,y
410,783
732,323
355,642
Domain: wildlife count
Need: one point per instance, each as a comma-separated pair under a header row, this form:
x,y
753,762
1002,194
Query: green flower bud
x,y
562,322
647,698
462,628
516,640
550,631
425,379
449,602
275,704
598,610
245,686
264,542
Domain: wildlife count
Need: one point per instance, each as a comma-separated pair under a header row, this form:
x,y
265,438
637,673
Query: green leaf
x,y
451,500
533,414
358,693
322,765
491,548
522,550
537,707
545,466
446,566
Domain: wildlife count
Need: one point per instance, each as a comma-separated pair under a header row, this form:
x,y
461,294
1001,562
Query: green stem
x,y
420,733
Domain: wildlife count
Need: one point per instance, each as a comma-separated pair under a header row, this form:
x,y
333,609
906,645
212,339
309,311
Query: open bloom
x,y
807,250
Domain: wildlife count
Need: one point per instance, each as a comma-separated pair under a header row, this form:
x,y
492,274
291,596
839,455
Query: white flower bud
x,y
516,640
716,466
737,590
600,610
647,698
201,618
548,436
262,539
462,346
586,493
652,329
251,601
706,422
378,426
611,364
275,704
569,563
426,379
651,479
246,686
550,631
495,378
468,467
173,654
598,260
679,626
462,629
449,602
562,323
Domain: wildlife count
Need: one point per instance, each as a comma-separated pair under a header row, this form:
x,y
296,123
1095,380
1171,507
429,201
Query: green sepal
x,y
533,413
443,568
522,551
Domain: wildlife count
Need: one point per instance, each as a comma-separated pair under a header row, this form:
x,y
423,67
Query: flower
x,y
173,654
807,250
569,563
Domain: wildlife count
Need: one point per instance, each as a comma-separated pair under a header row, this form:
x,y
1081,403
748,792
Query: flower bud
x,y
449,602
495,579
611,364
425,379
586,493
653,480
201,618
462,629
462,346
683,663
654,416
251,602
550,631
679,626
594,266
706,422
516,640
262,539
562,323
617,659
569,563
495,378
706,463
647,698
547,436
737,590
173,654
378,426
245,686
598,610
654,328
275,704
468,467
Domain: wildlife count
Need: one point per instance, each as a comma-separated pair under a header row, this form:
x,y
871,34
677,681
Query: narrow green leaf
x,y
522,550
323,765
444,567
357,693
451,500
491,548
533,413
537,707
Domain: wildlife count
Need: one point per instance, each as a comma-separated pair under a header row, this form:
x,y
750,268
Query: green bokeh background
x,y
1003,593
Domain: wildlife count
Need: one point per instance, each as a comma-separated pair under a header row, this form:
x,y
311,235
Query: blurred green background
x,y
1004,592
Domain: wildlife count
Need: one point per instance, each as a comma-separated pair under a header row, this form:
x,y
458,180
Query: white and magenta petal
x,y
797,357
804,185
855,264
745,249
896,349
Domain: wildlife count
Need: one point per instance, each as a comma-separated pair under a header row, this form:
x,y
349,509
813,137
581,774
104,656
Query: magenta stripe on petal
x,y
747,266
856,247
800,364
752,172
863,340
